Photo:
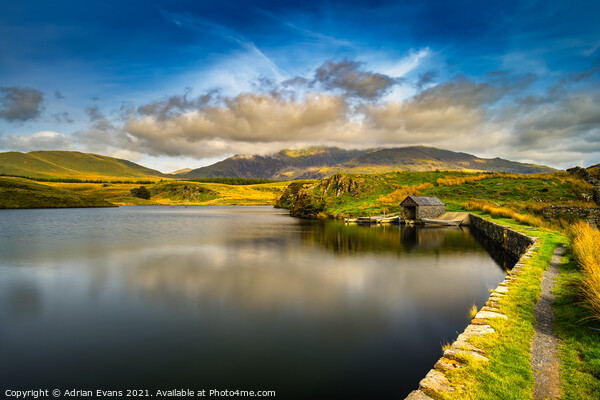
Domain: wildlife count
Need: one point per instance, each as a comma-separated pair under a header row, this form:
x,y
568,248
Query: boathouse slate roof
x,y
425,200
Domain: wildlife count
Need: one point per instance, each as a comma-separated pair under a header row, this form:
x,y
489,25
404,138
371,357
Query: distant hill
x,y
71,164
320,162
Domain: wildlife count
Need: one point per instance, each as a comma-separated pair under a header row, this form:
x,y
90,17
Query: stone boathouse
x,y
416,207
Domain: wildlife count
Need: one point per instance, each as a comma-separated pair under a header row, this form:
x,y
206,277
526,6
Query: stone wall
x,y
514,242
590,213
430,211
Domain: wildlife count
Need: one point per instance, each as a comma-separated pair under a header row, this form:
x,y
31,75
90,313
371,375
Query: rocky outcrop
x,y
340,184
591,178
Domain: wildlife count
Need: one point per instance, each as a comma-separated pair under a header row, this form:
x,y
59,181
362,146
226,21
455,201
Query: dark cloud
x,y
94,113
560,90
19,104
297,81
348,76
573,118
459,92
426,78
63,117
175,105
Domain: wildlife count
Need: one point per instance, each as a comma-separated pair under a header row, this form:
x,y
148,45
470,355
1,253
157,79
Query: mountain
x,y
285,165
180,171
320,162
71,164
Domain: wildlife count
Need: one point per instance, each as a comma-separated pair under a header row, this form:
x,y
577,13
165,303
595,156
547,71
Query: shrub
x,y
140,192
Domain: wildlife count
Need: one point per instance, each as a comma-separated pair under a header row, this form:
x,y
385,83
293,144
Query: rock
x,y
446,364
460,355
417,395
489,314
475,330
436,382
464,345
492,309
502,289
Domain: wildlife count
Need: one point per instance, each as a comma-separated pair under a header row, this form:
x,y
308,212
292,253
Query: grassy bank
x,y
24,193
508,373
346,195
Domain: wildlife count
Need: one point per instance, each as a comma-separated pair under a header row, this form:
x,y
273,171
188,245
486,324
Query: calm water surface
x,y
229,298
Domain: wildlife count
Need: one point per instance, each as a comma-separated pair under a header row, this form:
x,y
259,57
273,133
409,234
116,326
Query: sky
x,y
182,84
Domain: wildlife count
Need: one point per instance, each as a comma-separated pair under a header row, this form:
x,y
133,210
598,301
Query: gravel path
x,y
544,346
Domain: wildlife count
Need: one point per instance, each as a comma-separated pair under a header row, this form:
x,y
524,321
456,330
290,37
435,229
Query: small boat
x,y
441,222
351,220
365,220
389,220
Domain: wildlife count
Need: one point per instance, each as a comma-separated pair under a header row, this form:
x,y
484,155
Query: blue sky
x,y
174,84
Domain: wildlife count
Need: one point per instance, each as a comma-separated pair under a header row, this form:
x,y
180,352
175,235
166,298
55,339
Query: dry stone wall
x,y
590,213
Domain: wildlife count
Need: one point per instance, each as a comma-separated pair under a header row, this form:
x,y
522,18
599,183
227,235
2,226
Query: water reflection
x,y
352,239
229,297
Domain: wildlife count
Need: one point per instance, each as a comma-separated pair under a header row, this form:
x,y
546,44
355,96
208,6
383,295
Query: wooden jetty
x,y
379,219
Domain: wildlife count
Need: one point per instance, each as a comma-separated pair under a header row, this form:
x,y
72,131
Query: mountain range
x,y
308,163
320,162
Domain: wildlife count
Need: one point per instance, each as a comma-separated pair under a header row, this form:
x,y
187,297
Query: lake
x,y
226,297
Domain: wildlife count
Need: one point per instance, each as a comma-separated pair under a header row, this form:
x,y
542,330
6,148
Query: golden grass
x,y
472,311
457,181
446,346
586,247
399,195
503,212
119,193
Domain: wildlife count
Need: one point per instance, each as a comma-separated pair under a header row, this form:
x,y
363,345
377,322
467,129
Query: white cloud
x,y
43,140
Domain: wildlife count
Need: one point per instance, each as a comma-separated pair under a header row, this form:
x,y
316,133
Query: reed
x,y
586,248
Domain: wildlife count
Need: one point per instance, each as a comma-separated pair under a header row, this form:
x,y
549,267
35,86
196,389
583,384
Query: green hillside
x,y
71,164
23,193
345,195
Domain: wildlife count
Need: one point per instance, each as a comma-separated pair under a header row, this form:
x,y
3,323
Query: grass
x,y
72,164
586,250
22,193
472,311
508,374
173,192
350,195
579,334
